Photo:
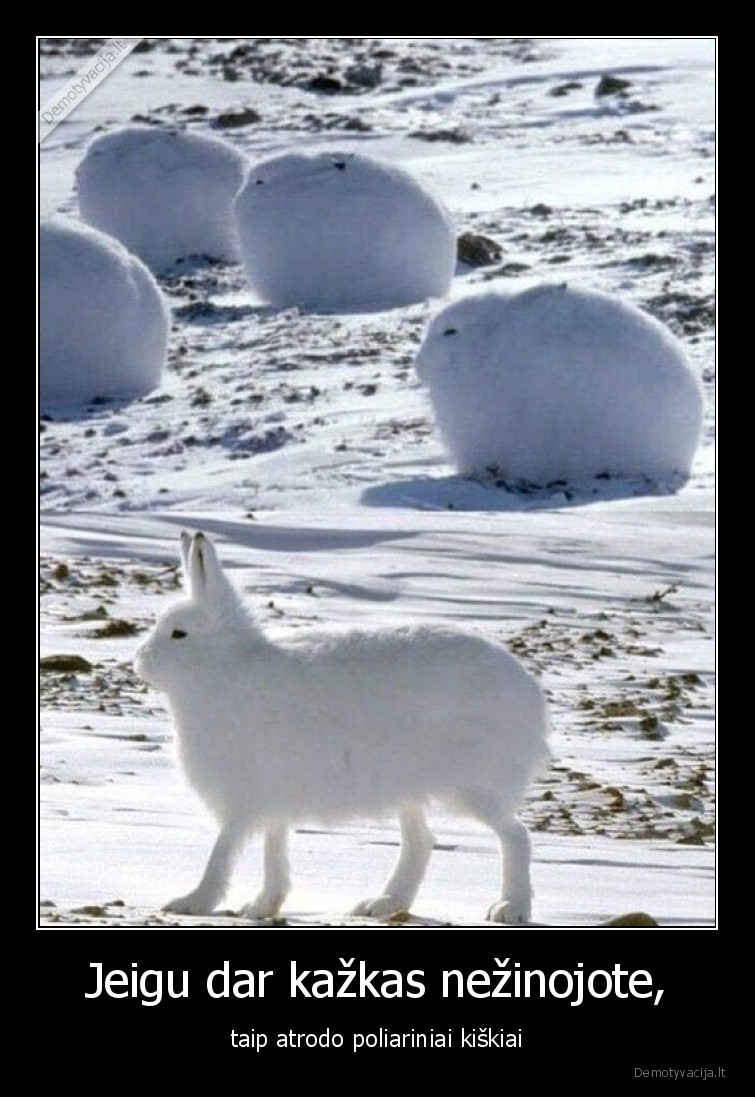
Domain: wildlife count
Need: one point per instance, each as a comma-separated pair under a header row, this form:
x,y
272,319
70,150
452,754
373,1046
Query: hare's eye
x,y
450,331
178,634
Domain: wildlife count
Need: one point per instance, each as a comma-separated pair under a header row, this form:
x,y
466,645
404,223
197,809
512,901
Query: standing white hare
x,y
334,726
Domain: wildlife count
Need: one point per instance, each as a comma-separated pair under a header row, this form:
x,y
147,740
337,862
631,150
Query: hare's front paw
x,y
263,906
385,906
510,913
196,902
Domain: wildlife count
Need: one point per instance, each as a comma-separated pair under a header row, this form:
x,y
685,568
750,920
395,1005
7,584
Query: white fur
x,y
332,230
336,726
103,319
165,193
557,382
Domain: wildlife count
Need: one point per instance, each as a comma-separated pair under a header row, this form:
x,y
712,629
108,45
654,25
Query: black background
x,y
600,1042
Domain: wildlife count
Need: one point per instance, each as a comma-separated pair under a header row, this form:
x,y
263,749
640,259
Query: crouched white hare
x,y
332,726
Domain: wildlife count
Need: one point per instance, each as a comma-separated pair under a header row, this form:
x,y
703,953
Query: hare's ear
x,y
185,549
207,580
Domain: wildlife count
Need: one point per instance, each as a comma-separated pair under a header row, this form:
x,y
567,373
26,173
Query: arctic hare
x,y
334,726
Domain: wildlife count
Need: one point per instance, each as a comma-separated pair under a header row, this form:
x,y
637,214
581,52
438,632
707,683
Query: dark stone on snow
x,y
327,84
564,89
364,75
64,664
612,85
636,920
116,627
477,250
234,119
454,137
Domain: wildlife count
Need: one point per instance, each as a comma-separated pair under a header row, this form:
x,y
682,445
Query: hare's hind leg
x,y
516,891
403,883
276,882
214,883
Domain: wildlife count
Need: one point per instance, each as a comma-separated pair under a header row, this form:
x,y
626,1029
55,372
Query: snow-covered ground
x,y
304,443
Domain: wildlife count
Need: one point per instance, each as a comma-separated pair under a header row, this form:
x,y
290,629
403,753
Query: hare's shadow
x,y
468,494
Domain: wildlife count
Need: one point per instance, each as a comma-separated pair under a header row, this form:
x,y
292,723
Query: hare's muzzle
x,y
140,663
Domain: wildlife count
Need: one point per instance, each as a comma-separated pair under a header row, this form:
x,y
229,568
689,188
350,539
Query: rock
x,y
454,137
611,85
234,119
327,84
364,75
636,920
117,627
651,727
564,89
477,250
508,270
64,664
